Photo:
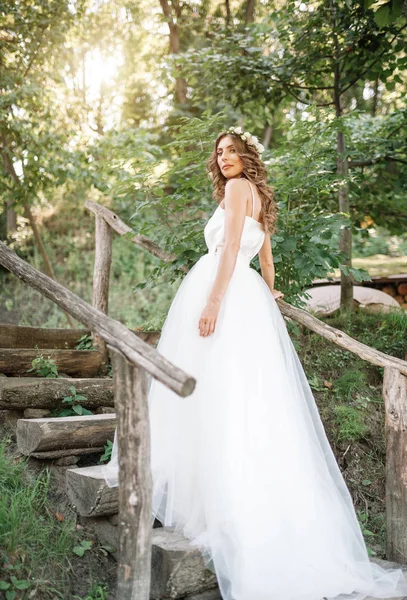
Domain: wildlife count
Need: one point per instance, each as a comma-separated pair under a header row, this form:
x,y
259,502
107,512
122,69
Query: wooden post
x,y
101,274
135,479
395,399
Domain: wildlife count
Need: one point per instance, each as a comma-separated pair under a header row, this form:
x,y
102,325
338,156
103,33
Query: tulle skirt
x,y
242,467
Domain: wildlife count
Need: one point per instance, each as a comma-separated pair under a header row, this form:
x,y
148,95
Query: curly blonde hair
x,y
254,170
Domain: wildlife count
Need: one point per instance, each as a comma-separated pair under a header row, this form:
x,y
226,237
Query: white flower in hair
x,y
246,136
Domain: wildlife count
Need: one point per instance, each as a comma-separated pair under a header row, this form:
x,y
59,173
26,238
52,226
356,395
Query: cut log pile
x,y
398,292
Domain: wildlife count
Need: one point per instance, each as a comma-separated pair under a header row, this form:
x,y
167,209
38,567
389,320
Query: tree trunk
x,y
395,398
345,235
180,84
135,479
11,218
249,17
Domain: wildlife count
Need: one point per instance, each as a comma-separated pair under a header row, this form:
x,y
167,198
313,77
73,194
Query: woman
x,y
242,467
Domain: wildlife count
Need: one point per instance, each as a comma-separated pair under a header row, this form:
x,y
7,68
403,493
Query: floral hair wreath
x,y
247,137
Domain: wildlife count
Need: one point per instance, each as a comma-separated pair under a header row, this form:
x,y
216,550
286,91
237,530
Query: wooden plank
x,y
101,276
395,398
20,336
89,493
48,392
60,433
51,454
81,363
341,339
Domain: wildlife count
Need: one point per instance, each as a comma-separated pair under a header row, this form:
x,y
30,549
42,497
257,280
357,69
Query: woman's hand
x,y
208,319
277,294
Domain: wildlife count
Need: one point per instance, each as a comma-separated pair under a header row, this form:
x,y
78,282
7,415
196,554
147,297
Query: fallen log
x,y
62,433
82,363
41,392
18,336
54,454
21,336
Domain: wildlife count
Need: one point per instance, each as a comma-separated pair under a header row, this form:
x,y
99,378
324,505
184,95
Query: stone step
x,y
62,436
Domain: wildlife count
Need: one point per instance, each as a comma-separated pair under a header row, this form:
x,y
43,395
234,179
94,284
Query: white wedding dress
x,y
242,467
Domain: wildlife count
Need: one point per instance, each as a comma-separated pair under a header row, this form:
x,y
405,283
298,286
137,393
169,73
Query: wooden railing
x,y
131,357
394,382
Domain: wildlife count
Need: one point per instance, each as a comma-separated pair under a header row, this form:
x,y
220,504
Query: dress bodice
x,y
252,235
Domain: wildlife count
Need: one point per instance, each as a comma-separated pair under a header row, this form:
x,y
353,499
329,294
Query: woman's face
x,y
229,161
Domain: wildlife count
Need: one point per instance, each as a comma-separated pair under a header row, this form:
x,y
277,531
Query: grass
x,y
37,546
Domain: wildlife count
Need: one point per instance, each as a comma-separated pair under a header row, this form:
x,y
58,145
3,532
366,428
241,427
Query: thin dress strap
x,y
251,187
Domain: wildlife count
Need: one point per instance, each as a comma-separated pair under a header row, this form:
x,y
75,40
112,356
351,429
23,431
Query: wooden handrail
x,y
342,339
303,317
113,332
142,241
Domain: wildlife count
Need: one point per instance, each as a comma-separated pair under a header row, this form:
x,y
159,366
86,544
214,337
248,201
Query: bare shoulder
x,y
236,185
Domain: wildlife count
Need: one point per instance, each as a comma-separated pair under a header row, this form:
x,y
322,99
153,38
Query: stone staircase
x,y
67,443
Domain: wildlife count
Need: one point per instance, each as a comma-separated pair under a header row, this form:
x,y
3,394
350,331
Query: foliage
x,y
33,542
107,454
37,543
83,547
85,342
96,592
75,408
349,423
44,367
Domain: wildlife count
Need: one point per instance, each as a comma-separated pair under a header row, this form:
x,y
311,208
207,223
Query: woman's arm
x,y
267,266
236,196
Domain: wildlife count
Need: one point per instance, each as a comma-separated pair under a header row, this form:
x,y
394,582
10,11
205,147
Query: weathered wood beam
x,y
120,227
135,479
39,392
21,336
114,333
101,275
17,361
341,339
60,433
395,399
54,454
